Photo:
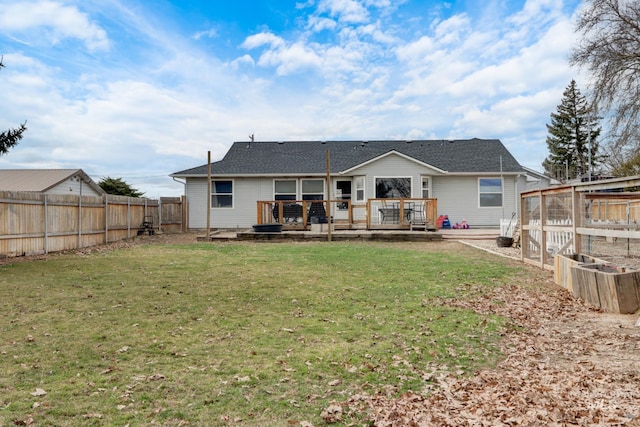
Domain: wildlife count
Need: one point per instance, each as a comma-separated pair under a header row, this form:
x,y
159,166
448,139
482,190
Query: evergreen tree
x,y
10,137
118,187
573,138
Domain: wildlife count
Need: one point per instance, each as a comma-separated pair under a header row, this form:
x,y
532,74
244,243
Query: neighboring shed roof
x,y
309,157
40,180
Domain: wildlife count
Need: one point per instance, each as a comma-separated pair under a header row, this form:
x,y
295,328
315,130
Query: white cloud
x,y
238,63
50,22
210,33
288,59
349,11
537,11
261,39
318,24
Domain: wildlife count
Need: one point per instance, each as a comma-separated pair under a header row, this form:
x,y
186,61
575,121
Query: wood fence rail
x,y
36,223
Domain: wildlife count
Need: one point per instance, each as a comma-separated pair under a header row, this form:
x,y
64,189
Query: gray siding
x,y
246,192
394,166
458,198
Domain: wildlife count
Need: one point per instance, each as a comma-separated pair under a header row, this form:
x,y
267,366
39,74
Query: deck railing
x,y
402,213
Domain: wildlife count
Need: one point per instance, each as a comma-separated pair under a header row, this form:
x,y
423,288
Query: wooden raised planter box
x,y
563,264
610,288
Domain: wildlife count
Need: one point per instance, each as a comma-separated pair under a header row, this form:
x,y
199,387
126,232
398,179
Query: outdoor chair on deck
x,y
290,212
418,213
317,211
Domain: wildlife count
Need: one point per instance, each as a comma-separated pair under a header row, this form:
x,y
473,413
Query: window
x,y
359,181
312,189
490,192
343,192
285,189
425,187
393,188
221,194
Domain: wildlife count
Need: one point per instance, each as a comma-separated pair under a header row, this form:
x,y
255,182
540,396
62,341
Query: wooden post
x,y
576,200
46,226
106,219
208,194
183,211
80,217
543,229
328,210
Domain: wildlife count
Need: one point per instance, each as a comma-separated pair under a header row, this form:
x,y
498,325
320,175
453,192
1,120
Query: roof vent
x,y
280,142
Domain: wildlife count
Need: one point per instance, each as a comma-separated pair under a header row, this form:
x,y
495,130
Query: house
x,y
538,181
474,179
49,181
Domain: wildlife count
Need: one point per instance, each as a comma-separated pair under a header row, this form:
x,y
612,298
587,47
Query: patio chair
x,y
318,213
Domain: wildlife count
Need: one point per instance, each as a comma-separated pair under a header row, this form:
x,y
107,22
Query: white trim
x,y
375,184
233,194
273,188
302,194
486,192
429,183
364,188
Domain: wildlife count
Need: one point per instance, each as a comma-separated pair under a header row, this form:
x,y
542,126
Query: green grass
x,y
266,334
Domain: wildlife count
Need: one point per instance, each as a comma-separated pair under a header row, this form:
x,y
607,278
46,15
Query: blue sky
x,y
141,89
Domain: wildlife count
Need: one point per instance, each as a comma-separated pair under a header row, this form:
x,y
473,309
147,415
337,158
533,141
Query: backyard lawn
x,y
242,333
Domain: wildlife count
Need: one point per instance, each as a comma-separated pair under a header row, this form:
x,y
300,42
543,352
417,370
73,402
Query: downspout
x,y
180,182
183,219
80,216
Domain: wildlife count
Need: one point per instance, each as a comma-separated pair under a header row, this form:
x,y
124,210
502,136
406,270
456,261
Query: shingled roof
x,y
309,157
41,180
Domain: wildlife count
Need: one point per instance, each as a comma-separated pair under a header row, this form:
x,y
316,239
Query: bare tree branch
x,y
610,52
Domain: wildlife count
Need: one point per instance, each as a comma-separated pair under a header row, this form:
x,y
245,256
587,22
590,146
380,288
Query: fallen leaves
x,y
332,414
563,365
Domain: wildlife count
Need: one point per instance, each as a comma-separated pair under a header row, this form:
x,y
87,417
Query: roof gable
x,y
41,180
309,157
392,153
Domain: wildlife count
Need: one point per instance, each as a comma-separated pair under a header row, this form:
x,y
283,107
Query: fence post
x,y
128,217
543,230
184,214
80,221
46,226
106,219
577,219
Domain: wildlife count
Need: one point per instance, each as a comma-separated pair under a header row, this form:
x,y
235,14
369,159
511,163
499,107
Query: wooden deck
x,y
341,235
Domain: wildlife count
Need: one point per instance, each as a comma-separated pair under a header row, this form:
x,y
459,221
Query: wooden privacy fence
x,y
35,223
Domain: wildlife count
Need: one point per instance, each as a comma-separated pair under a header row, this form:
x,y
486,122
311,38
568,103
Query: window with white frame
x,y
359,184
285,189
393,188
490,192
425,187
312,189
222,193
